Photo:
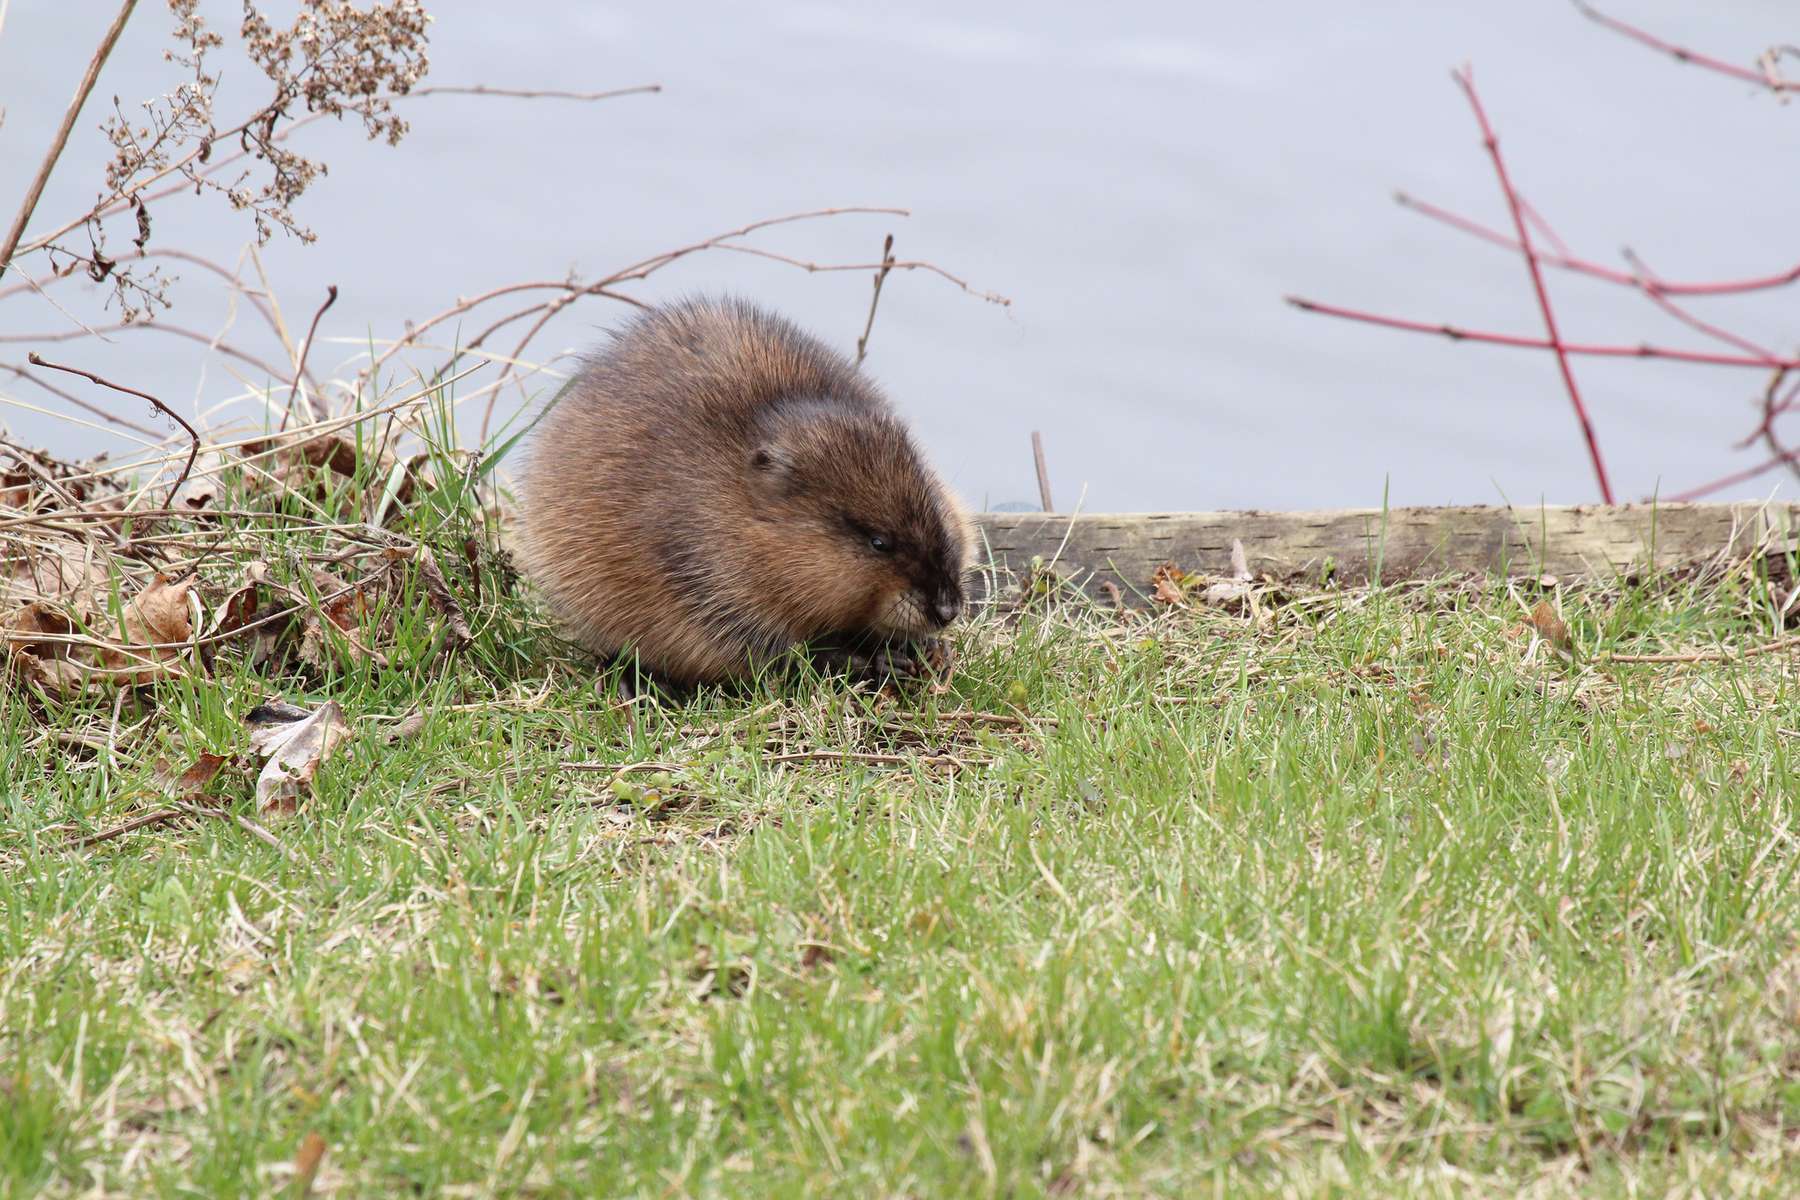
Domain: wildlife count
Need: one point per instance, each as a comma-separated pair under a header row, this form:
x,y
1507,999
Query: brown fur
x,y
705,491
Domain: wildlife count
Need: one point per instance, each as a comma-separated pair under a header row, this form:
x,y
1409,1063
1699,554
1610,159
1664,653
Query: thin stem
x,y
1736,477
1043,471
482,89
1460,334
1648,280
88,79
37,360
1763,78
331,295
77,401
881,274
1466,80
1583,266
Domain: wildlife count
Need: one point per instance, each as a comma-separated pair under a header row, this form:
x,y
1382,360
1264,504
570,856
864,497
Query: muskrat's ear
x,y
774,465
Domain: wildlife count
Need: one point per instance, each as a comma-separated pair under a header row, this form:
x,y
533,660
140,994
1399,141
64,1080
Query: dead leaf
x,y
345,608
1166,585
1240,564
1550,627
295,741
15,489
306,1163
151,628
296,466
64,572
45,660
193,781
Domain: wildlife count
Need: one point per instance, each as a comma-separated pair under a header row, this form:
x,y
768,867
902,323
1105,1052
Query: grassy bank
x,y
1357,893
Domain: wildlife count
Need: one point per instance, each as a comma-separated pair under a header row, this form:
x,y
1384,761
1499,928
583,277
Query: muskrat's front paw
x,y
934,656
885,661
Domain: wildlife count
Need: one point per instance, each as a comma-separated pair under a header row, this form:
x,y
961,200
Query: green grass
x,y
1358,898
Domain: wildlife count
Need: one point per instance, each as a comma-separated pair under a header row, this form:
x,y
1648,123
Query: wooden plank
x,y
1357,545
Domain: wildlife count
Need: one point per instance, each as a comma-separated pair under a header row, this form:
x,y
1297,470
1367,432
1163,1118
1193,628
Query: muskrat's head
x,y
885,543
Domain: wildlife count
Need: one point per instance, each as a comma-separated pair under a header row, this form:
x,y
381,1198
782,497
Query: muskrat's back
x,y
717,486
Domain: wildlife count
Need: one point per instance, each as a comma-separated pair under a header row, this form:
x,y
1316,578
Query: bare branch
x,y
331,295
88,79
887,264
21,373
482,89
37,360
192,335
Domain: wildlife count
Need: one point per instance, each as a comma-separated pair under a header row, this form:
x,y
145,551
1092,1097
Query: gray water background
x,y
1144,181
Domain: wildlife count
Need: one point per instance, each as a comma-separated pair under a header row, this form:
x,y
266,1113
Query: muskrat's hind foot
x,y
879,661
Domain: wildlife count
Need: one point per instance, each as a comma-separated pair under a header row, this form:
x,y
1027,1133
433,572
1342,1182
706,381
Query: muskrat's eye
x,y
880,545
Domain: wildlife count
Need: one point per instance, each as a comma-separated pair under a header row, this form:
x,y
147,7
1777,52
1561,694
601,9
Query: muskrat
x,y
716,488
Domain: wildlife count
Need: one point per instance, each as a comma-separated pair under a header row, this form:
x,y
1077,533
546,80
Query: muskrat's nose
x,y
948,608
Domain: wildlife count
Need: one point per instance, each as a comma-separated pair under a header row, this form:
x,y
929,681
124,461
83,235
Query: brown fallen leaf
x,y
195,779
297,466
44,660
336,625
156,617
60,571
294,741
15,489
1550,627
1167,585
306,1163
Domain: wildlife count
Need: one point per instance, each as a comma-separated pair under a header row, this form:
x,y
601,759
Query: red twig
x,y
1766,77
1724,481
1772,408
1647,279
1583,266
1457,333
1465,79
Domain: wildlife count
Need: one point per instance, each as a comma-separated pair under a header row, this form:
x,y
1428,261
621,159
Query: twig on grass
x,y
245,823
1706,656
155,817
886,760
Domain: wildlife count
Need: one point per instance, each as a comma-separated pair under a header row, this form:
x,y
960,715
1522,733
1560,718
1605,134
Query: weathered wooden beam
x,y
1364,544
